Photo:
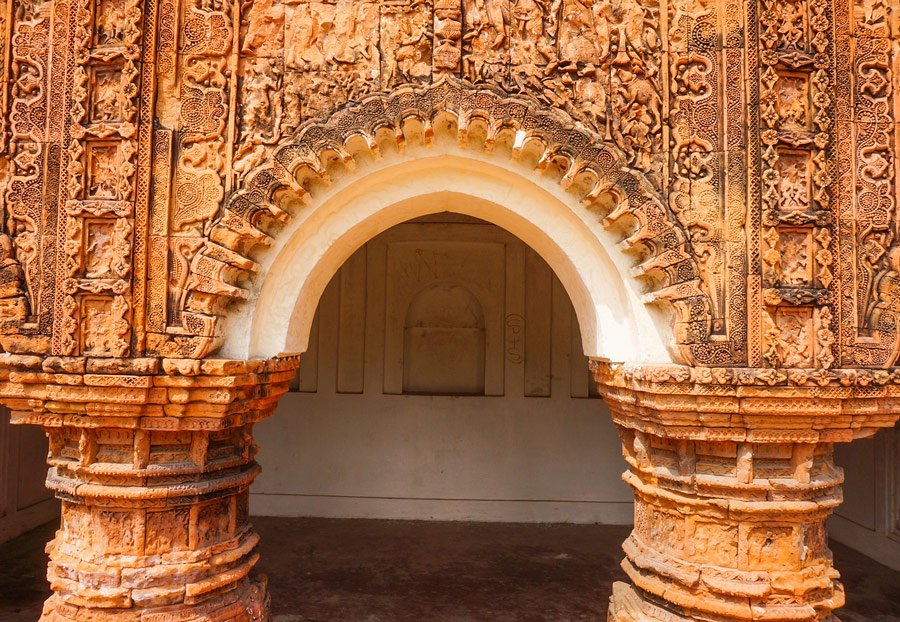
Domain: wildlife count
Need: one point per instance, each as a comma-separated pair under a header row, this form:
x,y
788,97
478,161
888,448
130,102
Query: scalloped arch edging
x,y
220,270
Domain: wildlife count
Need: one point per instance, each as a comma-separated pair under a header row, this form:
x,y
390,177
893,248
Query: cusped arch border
x,y
221,270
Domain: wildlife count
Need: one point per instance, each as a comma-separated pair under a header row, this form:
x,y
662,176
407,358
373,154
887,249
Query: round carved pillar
x,y
730,531
153,519
153,471
733,480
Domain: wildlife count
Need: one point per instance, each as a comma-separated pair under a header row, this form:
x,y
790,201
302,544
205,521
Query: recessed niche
x,y
443,342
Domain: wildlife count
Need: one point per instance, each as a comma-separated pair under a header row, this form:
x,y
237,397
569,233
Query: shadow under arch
x,y
614,321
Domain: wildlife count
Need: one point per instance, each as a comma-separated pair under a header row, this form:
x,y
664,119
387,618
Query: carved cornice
x,y
152,394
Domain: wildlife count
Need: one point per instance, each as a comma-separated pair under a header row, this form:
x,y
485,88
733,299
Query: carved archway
x,y
591,178
615,324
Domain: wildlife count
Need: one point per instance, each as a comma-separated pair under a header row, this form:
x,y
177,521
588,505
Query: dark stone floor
x,y
400,571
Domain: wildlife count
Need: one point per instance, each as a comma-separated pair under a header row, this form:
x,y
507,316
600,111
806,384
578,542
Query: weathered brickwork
x,y
742,156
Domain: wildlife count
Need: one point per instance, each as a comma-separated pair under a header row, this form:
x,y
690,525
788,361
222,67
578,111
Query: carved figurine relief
x,y
406,35
107,105
485,40
530,38
794,191
261,110
792,104
324,36
737,160
263,29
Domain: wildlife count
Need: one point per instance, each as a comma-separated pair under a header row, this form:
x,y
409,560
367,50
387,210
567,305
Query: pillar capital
x,y
142,394
733,476
755,405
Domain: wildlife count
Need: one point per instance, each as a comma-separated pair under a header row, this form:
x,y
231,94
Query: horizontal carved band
x,y
148,394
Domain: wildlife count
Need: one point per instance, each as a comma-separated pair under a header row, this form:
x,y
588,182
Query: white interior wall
x,y
24,501
537,446
869,518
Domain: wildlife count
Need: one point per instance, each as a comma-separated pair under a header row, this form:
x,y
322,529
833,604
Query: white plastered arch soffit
x,y
614,323
299,216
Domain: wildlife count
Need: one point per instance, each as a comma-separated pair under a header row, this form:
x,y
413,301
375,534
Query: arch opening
x,y
356,436
615,322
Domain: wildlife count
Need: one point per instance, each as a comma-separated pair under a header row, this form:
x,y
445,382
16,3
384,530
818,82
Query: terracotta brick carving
x,y
736,162
733,476
152,461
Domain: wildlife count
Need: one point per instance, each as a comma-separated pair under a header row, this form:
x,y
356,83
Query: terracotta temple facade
x,y
714,183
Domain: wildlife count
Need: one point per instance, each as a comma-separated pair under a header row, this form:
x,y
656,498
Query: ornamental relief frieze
x,y
868,42
796,78
93,289
30,168
737,159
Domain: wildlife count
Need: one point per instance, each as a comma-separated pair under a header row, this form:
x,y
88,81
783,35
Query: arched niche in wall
x,y
466,277
370,297
444,342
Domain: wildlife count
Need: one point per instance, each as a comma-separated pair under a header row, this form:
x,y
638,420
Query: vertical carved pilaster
x,y
869,258
25,184
96,215
796,102
707,163
447,55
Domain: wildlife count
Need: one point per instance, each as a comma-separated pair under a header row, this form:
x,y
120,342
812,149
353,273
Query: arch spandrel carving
x,y
236,93
595,171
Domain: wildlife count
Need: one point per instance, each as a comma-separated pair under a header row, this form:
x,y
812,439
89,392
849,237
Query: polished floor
x,y
387,571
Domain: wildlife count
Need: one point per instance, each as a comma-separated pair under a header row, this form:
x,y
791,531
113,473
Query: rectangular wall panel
x,y
579,376
352,332
538,316
329,329
307,379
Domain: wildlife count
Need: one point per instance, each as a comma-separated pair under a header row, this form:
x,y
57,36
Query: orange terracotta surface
x,y
734,163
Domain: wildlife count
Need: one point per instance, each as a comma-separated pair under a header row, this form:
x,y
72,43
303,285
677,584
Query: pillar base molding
x,y
630,604
627,604
248,602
